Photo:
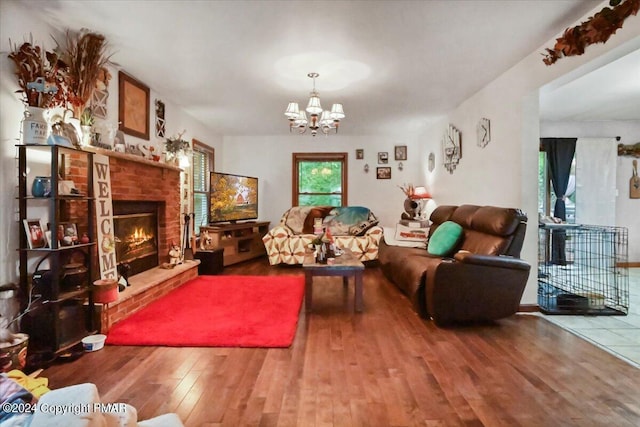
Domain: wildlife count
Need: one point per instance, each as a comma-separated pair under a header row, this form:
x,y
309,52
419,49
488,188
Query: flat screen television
x,y
232,197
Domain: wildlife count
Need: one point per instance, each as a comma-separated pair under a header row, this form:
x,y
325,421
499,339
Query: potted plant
x,y
176,147
86,122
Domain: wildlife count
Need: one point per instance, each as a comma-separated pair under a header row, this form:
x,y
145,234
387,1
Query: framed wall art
x,y
359,154
400,152
383,158
383,172
133,106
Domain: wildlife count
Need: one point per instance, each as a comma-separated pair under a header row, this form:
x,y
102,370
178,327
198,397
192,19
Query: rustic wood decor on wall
x,y
133,106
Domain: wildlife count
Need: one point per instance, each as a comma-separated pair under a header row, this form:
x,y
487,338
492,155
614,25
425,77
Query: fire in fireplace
x,y
136,235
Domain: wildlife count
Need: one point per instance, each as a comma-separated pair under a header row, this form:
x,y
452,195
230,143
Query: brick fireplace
x,y
137,181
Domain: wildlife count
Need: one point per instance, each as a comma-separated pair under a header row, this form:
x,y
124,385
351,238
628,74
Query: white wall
x,y
270,159
505,172
17,25
627,210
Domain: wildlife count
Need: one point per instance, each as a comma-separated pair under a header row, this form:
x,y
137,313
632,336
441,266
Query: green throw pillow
x,y
444,240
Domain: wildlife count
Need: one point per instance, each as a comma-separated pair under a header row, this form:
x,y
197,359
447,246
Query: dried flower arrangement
x,y
407,189
40,75
86,56
176,144
596,29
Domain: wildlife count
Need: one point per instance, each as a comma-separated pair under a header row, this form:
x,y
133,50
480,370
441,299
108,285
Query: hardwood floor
x,y
385,366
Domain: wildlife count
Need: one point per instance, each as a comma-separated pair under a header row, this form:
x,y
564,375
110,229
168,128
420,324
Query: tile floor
x,y
619,335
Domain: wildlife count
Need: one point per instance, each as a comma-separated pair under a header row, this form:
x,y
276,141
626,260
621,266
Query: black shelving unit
x,y
56,297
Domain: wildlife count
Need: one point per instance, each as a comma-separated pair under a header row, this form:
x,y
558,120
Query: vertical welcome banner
x,y
104,217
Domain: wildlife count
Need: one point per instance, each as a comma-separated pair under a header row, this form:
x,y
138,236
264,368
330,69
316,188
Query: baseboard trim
x,y
529,308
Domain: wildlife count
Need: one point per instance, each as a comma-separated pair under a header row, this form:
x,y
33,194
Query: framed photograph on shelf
x,y
133,106
400,152
383,158
359,154
383,172
67,234
35,230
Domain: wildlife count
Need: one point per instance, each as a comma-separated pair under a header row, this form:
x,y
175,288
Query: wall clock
x,y
484,132
451,148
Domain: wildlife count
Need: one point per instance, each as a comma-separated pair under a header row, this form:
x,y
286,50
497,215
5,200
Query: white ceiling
x,y
234,65
611,92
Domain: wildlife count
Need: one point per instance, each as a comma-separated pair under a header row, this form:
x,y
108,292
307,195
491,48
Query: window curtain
x,y
560,152
596,167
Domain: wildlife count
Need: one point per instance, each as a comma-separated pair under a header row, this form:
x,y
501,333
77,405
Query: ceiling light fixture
x,y
319,119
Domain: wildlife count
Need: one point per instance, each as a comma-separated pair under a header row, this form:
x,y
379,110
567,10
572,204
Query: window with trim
x,y
319,179
203,160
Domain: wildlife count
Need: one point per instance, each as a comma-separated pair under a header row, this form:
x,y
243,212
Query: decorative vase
x,y
41,186
35,129
85,141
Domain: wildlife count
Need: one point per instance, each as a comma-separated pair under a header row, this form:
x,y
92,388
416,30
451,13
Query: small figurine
x,y
205,240
123,280
174,254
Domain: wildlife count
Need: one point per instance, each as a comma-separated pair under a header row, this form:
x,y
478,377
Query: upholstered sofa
x,y
481,279
352,227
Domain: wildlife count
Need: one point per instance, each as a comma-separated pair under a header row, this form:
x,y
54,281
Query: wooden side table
x,y
211,261
345,265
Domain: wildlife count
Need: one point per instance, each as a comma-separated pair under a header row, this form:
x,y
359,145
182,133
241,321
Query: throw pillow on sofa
x,y
361,228
444,241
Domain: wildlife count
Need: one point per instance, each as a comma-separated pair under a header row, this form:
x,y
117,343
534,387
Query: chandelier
x,y
319,119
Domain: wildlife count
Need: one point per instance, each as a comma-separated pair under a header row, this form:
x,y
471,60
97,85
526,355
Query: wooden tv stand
x,y
240,241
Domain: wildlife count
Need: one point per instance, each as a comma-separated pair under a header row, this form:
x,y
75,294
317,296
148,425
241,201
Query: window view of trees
x,y
320,183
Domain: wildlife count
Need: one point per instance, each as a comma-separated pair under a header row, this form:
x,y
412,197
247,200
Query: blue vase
x,y
41,186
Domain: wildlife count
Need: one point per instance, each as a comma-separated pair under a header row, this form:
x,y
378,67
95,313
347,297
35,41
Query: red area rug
x,y
218,311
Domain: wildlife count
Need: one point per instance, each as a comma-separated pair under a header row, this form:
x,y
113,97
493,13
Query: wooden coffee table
x,y
345,265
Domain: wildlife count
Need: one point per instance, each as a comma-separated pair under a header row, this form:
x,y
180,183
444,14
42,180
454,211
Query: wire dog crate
x,y
582,269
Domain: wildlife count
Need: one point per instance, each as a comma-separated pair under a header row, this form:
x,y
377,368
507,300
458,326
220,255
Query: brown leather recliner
x,y
483,280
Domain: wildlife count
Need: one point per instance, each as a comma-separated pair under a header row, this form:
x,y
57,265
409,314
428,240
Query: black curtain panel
x,y
560,153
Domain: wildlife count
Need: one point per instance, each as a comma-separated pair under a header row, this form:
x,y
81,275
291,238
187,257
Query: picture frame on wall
x,y
35,231
133,106
383,157
400,152
383,172
359,154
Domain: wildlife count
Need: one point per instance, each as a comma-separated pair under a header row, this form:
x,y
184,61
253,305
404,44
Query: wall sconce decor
x,y
366,167
400,166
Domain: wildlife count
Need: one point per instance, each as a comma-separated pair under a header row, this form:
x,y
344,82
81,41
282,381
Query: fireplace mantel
x,y
131,158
